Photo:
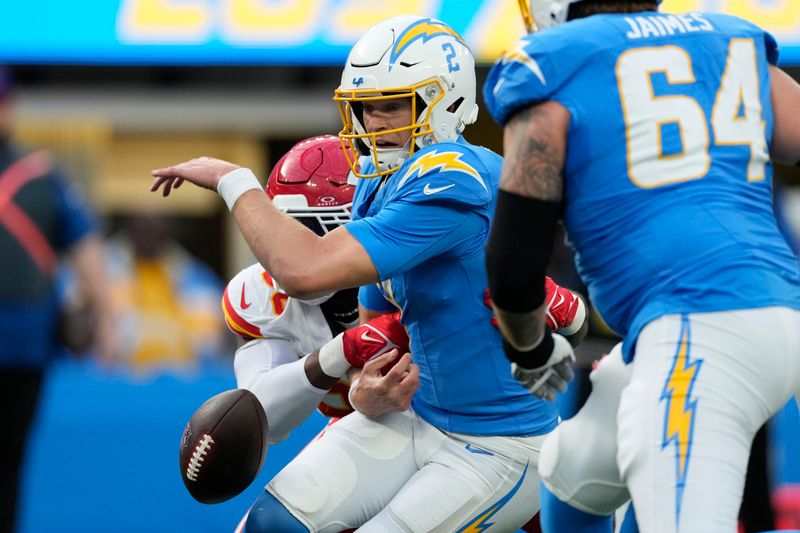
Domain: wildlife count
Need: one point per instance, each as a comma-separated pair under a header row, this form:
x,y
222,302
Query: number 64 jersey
x,y
667,178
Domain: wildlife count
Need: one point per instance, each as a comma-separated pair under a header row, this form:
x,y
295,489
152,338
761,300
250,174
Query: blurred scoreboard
x,y
284,32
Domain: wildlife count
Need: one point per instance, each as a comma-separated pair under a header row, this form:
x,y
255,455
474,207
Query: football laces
x,y
200,451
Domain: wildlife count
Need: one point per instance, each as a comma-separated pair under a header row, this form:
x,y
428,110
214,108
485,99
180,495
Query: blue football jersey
x,y
424,228
667,179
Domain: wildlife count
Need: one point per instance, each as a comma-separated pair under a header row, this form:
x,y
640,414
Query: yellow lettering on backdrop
x,y
780,17
494,28
684,6
282,22
351,18
164,21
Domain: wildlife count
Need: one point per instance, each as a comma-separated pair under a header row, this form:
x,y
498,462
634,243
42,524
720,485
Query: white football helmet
x,y
540,14
418,58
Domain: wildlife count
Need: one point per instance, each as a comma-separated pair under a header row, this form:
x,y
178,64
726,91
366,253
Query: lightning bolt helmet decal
x,y
424,29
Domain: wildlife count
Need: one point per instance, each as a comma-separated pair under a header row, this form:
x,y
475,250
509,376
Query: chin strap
x,y
397,161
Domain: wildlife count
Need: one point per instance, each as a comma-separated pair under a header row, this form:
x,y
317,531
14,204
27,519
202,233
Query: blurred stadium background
x,y
117,87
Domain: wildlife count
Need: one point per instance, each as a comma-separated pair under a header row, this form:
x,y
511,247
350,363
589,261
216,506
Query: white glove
x,y
548,380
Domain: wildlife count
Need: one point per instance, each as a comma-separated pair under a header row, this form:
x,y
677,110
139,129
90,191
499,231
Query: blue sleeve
x,y
370,297
403,234
75,218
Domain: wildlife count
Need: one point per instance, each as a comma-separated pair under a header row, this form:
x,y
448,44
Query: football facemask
x,y
415,58
386,155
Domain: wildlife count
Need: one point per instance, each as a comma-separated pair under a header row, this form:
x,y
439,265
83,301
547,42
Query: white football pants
x,y
699,388
398,473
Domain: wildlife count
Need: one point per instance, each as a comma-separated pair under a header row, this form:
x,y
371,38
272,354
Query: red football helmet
x,y
309,183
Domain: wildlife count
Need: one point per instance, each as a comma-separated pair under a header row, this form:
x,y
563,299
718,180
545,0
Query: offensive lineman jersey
x,y
667,179
255,307
424,227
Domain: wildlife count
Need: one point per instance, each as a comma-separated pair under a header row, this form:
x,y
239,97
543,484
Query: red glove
x,y
377,336
564,312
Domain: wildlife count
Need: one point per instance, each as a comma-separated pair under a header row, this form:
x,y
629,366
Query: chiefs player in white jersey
x,y
309,183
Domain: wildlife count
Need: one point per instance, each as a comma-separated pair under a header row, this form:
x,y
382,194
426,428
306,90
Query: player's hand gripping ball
x,y
224,446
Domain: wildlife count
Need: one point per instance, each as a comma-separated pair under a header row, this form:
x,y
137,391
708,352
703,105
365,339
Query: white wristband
x,y
331,358
235,183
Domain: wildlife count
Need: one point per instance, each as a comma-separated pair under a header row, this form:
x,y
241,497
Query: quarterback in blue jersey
x,y
653,137
464,456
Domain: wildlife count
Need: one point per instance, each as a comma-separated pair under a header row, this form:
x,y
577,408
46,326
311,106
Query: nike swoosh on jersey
x,y
242,303
428,190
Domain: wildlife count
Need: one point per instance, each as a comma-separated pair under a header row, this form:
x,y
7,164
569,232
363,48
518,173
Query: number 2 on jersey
x,y
736,118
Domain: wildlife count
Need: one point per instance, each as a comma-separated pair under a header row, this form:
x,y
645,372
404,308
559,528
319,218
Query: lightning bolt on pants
x,y
701,386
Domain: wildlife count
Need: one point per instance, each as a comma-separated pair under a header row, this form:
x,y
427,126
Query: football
x,y
223,446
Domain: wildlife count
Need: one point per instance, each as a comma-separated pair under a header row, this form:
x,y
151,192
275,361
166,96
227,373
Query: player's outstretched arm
x,y
304,264
205,172
785,103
